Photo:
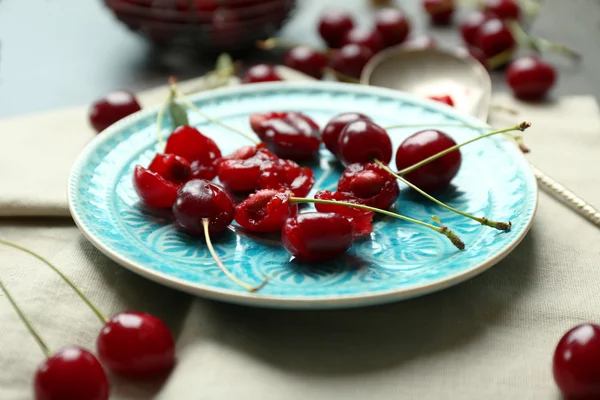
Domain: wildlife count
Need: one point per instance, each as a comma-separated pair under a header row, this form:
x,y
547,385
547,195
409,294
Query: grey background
x,y
57,53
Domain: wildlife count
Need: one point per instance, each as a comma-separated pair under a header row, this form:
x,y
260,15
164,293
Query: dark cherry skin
x,y
72,373
371,39
306,60
360,219
114,106
440,11
264,211
187,142
371,184
392,25
241,171
286,174
350,59
290,135
469,26
530,78
576,363
494,37
423,144
503,9
171,167
476,53
332,131
261,73
363,141
152,189
316,237
136,345
420,42
333,26
199,199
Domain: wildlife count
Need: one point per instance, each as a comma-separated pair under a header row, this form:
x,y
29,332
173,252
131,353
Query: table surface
x,y
69,52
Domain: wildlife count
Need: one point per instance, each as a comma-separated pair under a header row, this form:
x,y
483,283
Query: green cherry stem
x,y
443,229
213,253
63,276
30,328
159,120
503,226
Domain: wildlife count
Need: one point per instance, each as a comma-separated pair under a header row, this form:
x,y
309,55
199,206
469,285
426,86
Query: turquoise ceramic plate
x,y
398,261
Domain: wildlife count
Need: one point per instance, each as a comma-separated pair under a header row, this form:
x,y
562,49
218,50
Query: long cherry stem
x,y
503,226
205,223
21,315
443,230
63,276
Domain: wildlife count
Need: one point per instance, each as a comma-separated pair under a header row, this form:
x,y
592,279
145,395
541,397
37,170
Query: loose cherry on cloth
x,y
332,131
494,37
306,60
114,106
261,73
333,26
393,26
530,78
503,9
349,61
440,11
469,26
371,39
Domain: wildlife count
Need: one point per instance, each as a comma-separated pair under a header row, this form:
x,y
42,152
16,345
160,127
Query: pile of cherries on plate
x,y
488,35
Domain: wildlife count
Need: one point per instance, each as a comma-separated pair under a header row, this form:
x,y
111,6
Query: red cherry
x,y
371,184
469,26
363,37
530,78
241,171
333,26
136,345
264,211
286,174
437,174
360,219
446,99
153,189
576,362
199,199
363,141
201,171
494,37
503,9
332,131
71,373
392,25
420,42
477,54
315,236
171,167
111,108
440,11
306,60
261,73
290,135
189,143
351,59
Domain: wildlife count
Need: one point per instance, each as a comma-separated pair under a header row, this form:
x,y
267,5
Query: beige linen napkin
x,y
489,338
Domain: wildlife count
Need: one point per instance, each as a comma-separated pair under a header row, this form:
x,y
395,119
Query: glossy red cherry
x,y
443,98
360,219
332,131
264,211
306,60
136,345
530,78
114,106
241,171
315,236
72,373
420,42
371,39
440,11
351,59
392,25
286,174
494,37
153,189
173,168
437,174
333,26
503,9
199,199
261,73
576,362
469,26
371,184
189,143
363,141
290,135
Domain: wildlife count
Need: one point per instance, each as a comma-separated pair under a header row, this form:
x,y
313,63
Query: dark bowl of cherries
x,y
208,25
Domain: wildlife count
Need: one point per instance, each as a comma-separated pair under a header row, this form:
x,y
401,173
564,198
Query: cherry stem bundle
x,y
456,241
63,276
213,253
23,318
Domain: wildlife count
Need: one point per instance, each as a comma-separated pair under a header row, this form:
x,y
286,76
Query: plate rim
x,y
279,301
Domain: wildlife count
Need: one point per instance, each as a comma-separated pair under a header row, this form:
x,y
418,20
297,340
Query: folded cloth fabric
x,y
489,338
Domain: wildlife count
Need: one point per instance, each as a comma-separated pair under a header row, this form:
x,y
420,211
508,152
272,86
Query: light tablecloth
x,y
489,338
